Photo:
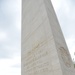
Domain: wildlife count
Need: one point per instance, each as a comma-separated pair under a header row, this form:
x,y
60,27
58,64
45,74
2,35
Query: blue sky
x,y
10,32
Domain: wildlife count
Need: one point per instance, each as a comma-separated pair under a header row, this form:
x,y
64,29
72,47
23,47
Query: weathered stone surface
x,y
44,51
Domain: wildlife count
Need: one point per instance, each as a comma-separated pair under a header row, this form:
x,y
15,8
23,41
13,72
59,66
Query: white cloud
x,y
3,36
18,22
56,4
6,66
11,6
10,48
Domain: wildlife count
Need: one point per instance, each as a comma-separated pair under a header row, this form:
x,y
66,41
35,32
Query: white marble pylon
x,y
44,51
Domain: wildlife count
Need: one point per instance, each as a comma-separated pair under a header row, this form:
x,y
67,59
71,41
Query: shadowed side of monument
x,y
62,50
41,40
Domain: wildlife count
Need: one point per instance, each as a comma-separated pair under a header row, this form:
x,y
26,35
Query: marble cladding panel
x,y
41,40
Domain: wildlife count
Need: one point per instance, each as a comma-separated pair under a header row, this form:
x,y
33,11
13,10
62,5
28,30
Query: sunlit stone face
x,y
41,39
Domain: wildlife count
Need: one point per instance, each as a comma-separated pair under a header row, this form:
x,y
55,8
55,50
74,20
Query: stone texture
x,y
44,51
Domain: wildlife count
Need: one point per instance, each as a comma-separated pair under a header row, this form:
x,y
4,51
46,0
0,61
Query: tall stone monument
x,y
44,51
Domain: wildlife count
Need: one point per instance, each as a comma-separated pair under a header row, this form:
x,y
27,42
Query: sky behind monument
x,y
10,32
65,10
